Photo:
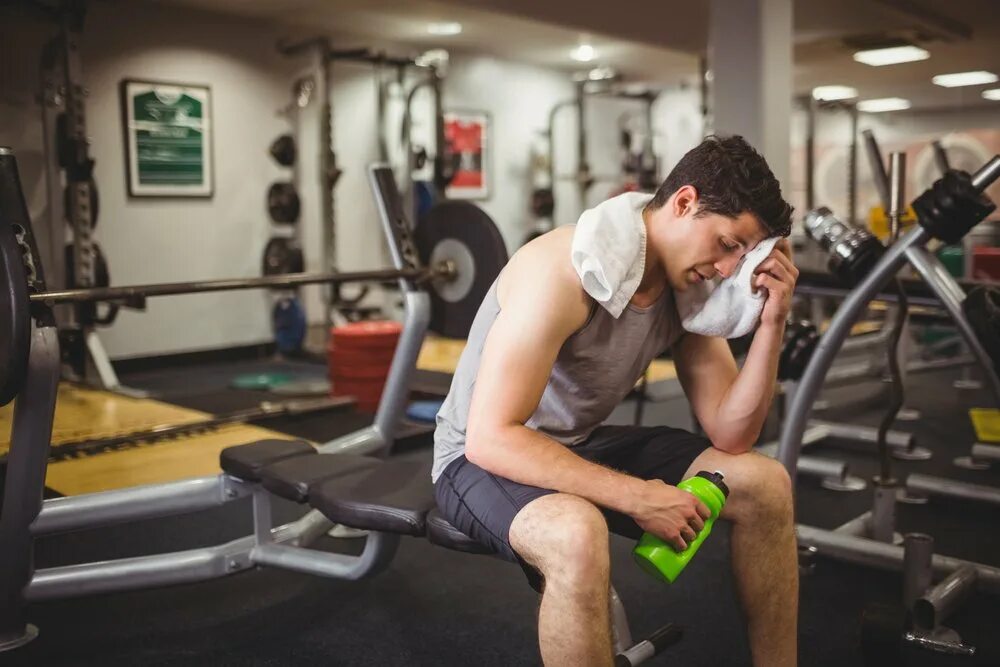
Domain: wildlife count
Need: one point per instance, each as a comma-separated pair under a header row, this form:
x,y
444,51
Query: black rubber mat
x,y
437,607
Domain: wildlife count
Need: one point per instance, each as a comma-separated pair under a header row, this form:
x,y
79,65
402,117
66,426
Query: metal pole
x,y
852,168
810,153
941,601
136,293
918,551
878,168
940,156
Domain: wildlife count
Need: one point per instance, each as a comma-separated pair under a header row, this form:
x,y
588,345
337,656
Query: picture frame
x,y
168,138
467,133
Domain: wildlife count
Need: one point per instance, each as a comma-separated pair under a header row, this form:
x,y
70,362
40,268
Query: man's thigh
x,y
646,452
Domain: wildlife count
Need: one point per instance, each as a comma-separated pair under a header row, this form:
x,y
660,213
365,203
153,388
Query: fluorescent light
x,y
831,93
891,56
583,53
445,28
964,79
883,104
992,94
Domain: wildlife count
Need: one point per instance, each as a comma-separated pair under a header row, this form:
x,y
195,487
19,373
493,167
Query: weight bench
x,y
388,499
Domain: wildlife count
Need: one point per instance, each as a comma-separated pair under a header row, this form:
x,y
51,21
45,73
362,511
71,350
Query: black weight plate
x,y
282,256
283,150
461,232
283,203
15,311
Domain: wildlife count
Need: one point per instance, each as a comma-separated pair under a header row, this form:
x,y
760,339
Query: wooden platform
x,y
88,413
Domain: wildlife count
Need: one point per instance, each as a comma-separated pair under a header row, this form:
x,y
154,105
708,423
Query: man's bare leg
x,y
566,539
764,551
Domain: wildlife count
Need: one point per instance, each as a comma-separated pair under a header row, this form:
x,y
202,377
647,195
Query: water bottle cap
x,y
715,478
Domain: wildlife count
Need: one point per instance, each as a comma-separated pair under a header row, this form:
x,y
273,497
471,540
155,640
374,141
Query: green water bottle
x,y
659,559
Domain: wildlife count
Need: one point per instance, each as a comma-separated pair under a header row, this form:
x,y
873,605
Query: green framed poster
x,y
168,142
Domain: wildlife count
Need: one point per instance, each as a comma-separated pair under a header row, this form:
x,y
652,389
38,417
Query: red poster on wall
x,y
466,133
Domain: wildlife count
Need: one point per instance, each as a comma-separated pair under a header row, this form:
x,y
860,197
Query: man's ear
x,y
685,201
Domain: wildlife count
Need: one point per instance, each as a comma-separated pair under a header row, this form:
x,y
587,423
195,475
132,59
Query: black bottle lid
x,y
715,478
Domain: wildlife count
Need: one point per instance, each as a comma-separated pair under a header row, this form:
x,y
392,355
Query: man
x,y
522,463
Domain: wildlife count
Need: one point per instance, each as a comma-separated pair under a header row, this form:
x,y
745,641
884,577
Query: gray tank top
x,y
595,369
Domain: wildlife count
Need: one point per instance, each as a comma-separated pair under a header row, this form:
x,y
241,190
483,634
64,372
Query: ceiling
x,y
660,42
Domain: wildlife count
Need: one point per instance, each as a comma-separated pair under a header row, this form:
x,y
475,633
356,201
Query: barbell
x,y
460,248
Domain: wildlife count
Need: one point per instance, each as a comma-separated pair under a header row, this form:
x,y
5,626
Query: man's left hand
x,y
777,274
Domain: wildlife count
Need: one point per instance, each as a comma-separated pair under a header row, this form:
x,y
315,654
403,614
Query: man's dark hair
x,y
731,178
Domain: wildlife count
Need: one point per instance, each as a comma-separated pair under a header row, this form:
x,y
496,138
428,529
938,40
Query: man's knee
x,y
765,486
564,536
759,485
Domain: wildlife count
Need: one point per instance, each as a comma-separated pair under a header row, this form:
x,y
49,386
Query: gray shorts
x,y
483,505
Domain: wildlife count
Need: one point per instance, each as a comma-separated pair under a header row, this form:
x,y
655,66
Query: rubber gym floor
x,y
438,607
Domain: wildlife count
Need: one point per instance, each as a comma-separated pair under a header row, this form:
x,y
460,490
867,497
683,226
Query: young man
x,y
522,463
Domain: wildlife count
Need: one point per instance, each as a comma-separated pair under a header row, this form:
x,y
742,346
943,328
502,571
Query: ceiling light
x,y
831,93
883,104
891,56
583,53
992,94
445,28
964,79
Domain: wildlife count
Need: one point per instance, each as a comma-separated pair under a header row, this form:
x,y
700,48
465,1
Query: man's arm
x,y
541,305
730,404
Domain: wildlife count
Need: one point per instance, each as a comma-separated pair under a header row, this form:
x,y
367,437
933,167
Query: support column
x,y
750,55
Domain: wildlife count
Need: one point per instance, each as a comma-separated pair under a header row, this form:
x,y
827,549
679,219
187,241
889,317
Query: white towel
x,y
609,250
728,308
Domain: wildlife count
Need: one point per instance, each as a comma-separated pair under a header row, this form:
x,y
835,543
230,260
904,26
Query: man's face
x,y
694,248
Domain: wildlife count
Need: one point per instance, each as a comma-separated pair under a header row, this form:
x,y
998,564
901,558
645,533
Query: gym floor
x,y
438,607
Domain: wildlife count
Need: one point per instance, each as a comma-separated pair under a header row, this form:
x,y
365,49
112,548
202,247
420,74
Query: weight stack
x,y
359,355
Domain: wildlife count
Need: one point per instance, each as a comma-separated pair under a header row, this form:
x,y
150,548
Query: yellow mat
x,y
83,413
441,355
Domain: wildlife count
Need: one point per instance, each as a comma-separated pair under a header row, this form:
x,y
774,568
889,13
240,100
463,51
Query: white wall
x,y
160,240
909,132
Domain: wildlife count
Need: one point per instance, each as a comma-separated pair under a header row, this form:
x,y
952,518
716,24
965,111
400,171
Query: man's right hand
x,y
673,515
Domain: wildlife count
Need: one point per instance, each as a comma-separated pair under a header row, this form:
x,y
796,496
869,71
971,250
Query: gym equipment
x,y
260,381
282,256
461,233
94,201
659,559
801,339
954,203
18,278
853,250
341,481
283,150
289,322
464,267
283,203
87,314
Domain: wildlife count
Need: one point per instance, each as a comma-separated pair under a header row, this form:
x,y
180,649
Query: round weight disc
x,y
282,256
476,248
456,289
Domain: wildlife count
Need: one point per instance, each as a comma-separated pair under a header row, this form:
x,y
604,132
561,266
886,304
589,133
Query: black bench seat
x,y
294,478
246,461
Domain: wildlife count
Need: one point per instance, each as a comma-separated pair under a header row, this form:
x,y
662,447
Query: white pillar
x,y
750,55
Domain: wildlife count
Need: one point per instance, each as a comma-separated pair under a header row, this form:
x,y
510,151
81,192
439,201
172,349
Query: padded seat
x,y
293,478
246,461
443,534
393,497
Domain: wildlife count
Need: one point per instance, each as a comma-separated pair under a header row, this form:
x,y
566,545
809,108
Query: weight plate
x,y
15,312
283,150
478,252
283,203
456,289
282,256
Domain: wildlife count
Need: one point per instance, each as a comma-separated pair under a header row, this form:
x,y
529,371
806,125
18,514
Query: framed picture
x,y
168,138
467,135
